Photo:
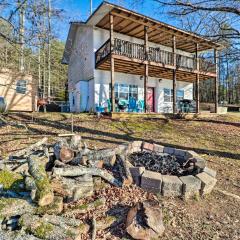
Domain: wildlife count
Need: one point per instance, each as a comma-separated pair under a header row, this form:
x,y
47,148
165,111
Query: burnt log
x,y
124,170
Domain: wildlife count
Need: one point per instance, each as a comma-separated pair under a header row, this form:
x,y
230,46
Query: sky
x,y
76,10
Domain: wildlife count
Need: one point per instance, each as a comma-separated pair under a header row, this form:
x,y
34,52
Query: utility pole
x,y
21,35
49,49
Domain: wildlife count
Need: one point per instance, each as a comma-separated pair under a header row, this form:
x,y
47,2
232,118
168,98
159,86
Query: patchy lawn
x,y
217,139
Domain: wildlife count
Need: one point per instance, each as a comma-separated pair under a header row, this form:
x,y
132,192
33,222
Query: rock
x,y
191,186
171,186
147,146
154,216
168,150
144,221
207,183
210,172
158,148
136,174
136,146
200,162
151,181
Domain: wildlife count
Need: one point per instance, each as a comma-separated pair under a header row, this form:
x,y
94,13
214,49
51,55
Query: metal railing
x,y
137,51
103,51
189,63
160,56
129,49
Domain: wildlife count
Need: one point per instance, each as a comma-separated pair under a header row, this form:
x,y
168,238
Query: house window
x,y
124,91
133,91
168,95
21,86
180,95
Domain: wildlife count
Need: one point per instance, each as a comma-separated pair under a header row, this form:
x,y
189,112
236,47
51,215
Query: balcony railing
x,y
102,52
137,51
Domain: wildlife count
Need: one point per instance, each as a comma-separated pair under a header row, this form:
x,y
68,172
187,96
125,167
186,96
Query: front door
x,y
150,99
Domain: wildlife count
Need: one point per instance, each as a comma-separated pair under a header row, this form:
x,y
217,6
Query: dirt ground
x,y
216,138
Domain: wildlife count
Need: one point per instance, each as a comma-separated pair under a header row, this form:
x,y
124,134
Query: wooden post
x,y
216,79
197,81
174,75
112,62
146,48
72,126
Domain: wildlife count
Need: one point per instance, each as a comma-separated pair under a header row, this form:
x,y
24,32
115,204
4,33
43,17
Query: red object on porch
x,y
150,99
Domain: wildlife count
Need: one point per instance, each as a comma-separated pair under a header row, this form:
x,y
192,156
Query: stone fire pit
x,y
169,171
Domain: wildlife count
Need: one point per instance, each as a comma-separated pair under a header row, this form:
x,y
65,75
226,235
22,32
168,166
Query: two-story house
x,y
120,60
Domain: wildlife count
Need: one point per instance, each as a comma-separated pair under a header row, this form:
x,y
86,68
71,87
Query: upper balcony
x,y
156,57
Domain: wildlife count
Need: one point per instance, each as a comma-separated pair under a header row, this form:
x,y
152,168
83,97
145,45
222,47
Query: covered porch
x,y
120,56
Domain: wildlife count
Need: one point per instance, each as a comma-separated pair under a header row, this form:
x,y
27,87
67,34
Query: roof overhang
x,y
132,24
70,41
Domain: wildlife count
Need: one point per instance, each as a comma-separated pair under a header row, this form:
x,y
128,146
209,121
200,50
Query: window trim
x,y
170,95
129,89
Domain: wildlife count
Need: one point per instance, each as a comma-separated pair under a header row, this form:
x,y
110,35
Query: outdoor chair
x,y
140,106
132,106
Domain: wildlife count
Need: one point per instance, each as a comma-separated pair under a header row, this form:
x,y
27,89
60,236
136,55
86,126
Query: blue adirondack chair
x,y
140,106
132,106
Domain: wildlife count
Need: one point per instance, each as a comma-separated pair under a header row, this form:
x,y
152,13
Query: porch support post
x,y
146,48
216,79
174,75
197,81
112,62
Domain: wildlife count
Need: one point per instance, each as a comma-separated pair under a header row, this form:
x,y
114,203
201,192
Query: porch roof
x,y
155,70
132,24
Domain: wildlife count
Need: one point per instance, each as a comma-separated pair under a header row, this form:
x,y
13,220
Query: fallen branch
x,y
83,209
29,149
75,171
94,228
44,193
228,194
15,124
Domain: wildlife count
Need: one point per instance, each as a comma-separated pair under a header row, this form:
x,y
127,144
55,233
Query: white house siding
x,y
102,81
81,71
90,87
102,78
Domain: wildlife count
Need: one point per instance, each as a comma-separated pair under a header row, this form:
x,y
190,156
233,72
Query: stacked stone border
x,y
189,186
